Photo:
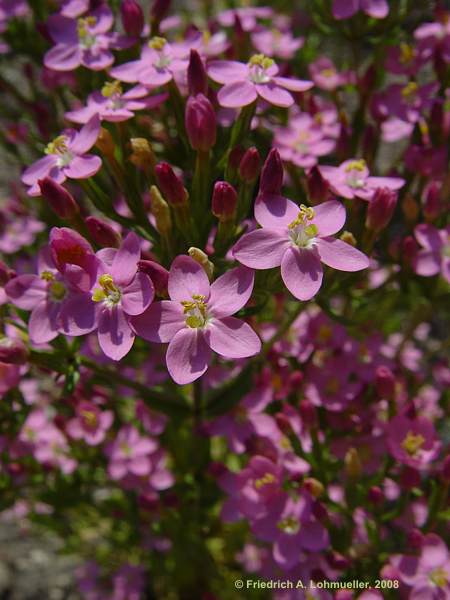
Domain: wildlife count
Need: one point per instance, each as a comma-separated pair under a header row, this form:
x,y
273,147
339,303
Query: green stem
x,y
283,329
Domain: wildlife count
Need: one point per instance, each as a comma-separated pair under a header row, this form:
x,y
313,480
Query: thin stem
x,y
282,330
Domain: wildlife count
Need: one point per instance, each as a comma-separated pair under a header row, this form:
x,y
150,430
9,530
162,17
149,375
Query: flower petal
x,y
125,260
343,9
63,57
79,314
329,217
294,85
339,255
231,291
262,249
302,272
43,322
138,295
232,338
275,94
160,322
237,94
188,356
427,263
25,291
273,210
82,167
378,9
187,278
87,136
38,170
115,335
227,71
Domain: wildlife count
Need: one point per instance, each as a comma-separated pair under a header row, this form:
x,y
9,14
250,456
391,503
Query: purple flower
x,y
404,59
344,9
118,292
325,75
434,38
197,319
276,43
303,141
66,157
17,230
351,179
292,528
114,105
43,294
298,239
434,257
90,424
428,574
412,441
407,102
248,16
160,61
82,41
244,83
130,454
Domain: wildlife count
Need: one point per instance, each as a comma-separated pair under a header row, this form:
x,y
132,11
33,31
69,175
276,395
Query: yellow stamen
x,y
413,443
157,43
58,146
289,525
439,577
57,290
264,480
196,311
90,417
356,165
410,90
260,60
47,276
112,88
306,213
406,53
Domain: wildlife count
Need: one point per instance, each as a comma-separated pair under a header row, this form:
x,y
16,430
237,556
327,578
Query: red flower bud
x,y
170,184
196,74
159,9
157,273
224,201
432,202
5,273
200,121
385,382
375,495
380,209
132,17
272,174
308,413
60,200
317,186
250,165
102,233
13,352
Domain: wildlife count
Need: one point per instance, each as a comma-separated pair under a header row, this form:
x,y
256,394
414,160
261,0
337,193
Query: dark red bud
x,y
132,17
13,352
250,165
59,199
384,382
159,9
432,202
272,174
170,184
200,121
224,201
380,209
157,273
102,233
196,74
318,190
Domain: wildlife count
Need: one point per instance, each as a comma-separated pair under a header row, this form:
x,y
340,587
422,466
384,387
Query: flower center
x,y
86,38
301,144
409,92
57,291
89,417
413,443
159,43
333,386
240,414
258,64
406,53
266,479
439,577
289,525
195,311
108,292
125,449
329,72
356,177
58,147
47,276
302,233
112,88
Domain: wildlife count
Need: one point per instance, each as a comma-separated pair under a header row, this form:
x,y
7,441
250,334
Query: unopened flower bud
x,y
170,184
59,199
415,539
432,202
224,201
235,157
142,155
105,142
380,209
353,466
409,249
157,273
272,174
384,382
410,208
5,273
196,75
160,210
348,238
203,260
200,121
250,165
314,487
375,495
308,413
284,425
102,233
410,478
159,9
12,352
132,17
318,190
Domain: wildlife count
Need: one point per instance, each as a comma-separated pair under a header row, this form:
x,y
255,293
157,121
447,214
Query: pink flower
x,y
66,157
428,574
117,292
83,41
197,319
298,239
114,105
90,424
303,141
404,59
412,441
325,75
130,454
434,257
43,294
276,43
344,9
434,38
248,16
160,61
352,179
244,83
